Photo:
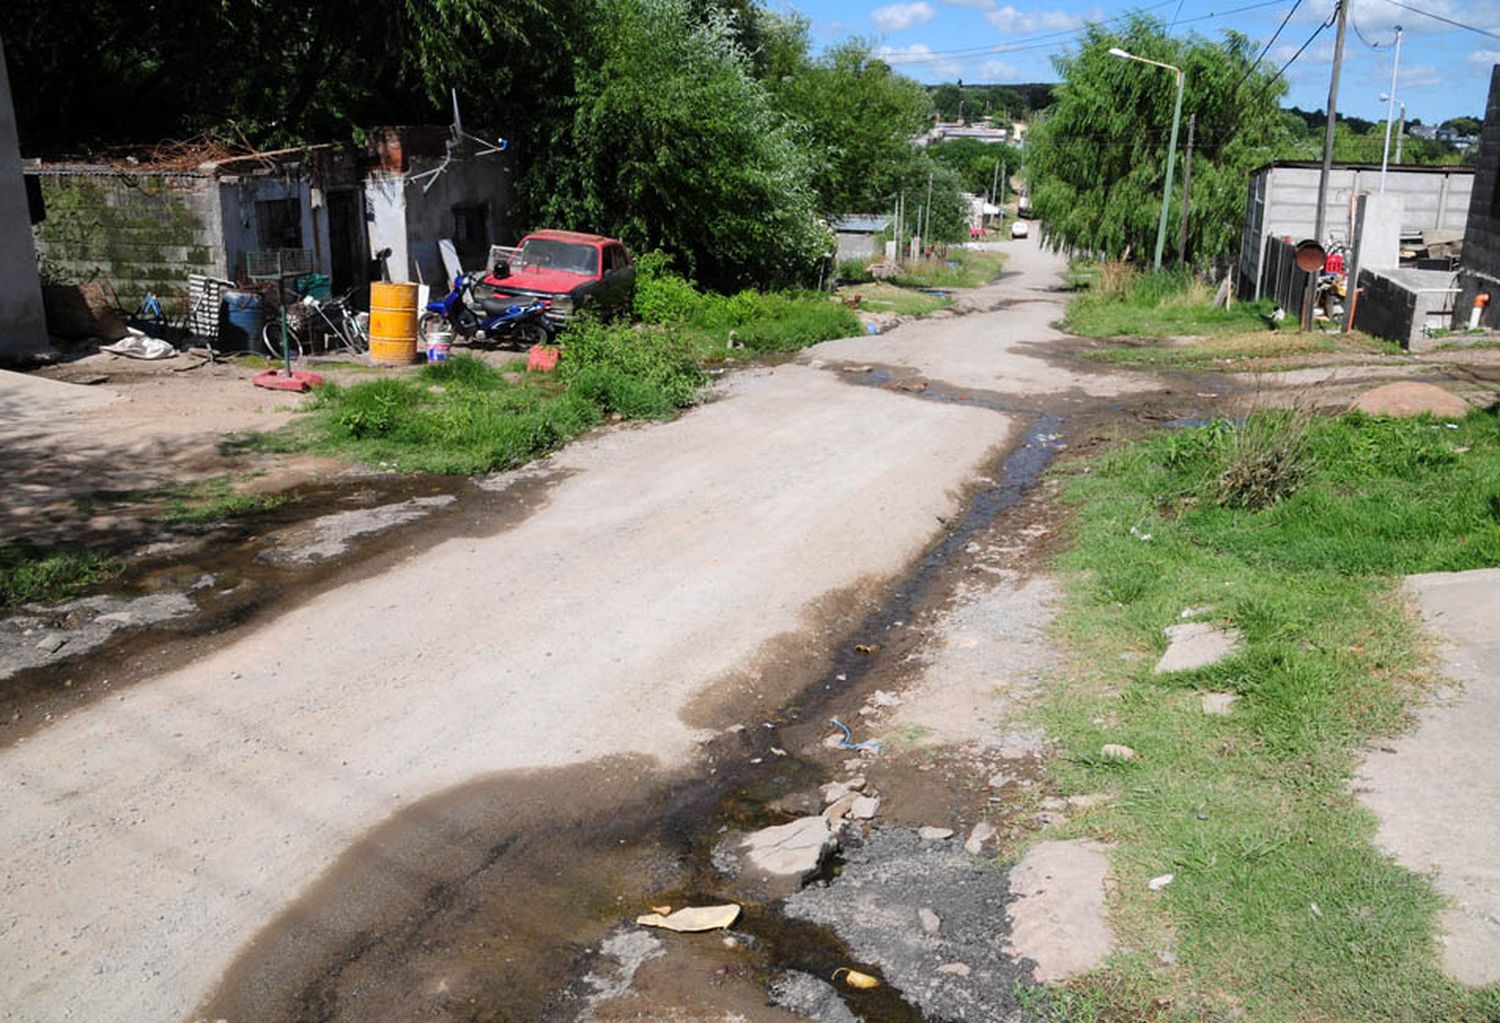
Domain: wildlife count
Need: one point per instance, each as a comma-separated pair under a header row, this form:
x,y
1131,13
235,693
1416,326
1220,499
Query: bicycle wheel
x,y
271,335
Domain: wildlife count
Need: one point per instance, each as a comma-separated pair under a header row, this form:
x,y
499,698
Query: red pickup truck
x,y
573,271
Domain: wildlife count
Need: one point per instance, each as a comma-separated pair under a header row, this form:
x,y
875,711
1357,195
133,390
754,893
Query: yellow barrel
x,y
393,323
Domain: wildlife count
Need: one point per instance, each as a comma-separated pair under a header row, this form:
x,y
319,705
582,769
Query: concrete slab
x,y
1059,919
1196,645
1437,794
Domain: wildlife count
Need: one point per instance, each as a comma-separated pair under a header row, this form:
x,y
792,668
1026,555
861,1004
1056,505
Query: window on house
x,y
279,223
471,233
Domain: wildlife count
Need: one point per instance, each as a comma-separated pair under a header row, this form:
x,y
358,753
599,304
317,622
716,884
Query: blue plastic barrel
x,y
245,315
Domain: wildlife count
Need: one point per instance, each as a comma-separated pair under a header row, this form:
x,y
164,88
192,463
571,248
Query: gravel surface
x,y
874,906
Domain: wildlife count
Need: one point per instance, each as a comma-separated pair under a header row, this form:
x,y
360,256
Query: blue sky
x,y
1445,71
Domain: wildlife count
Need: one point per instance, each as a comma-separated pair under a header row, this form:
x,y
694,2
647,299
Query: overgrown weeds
x,y
1266,459
1123,302
32,573
1281,907
465,416
749,322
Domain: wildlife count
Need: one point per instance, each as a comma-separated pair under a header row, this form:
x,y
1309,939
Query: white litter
x,y
138,346
1156,884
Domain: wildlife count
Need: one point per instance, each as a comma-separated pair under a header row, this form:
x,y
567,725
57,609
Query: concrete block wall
x,y
142,232
23,329
1481,258
1385,308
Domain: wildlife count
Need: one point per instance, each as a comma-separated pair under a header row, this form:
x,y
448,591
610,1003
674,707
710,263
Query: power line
x,y
1316,32
1446,21
1353,21
929,58
1267,48
1174,17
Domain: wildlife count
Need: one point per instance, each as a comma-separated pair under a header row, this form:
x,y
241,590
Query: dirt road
x,y
678,577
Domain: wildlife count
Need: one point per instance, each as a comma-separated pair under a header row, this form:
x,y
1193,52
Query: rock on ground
x,y
874,904
1429,823
810,998
94,620
1058,914
780,858
1196,645
1409,398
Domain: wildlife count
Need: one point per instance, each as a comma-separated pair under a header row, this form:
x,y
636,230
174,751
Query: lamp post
x,y
1390,109
1400,126
1166,190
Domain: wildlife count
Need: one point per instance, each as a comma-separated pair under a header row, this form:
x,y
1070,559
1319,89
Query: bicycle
x,y
310,320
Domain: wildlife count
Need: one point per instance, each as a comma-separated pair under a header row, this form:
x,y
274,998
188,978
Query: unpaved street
x,y
675,578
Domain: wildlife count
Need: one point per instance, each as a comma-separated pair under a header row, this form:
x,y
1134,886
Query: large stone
x,y
795,850
1196,645
1058,919
1409,398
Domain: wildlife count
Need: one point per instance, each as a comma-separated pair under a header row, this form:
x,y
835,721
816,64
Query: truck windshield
x,y
553,254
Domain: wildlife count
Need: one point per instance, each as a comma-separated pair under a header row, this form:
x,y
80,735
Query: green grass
x,y
883,297
961,268
1225,351
1120,303
465,416
31,573
1282,907
192,504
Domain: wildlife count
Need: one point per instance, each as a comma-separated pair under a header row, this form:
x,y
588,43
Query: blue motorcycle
x,y
498,319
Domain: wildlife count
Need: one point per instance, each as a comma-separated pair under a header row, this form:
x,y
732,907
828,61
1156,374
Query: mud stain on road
x,y
235,585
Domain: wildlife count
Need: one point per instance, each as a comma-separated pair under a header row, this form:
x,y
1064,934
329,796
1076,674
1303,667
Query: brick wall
x,y
1482,233
140,232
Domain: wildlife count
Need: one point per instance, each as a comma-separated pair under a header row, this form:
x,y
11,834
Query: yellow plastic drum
x,y
393,323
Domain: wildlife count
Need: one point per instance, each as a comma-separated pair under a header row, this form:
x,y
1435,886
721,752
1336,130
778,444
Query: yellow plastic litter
x,y
856,979
661,910
693,918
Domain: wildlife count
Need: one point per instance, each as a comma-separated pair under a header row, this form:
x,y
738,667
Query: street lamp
x,y
1390,109
1166,190
1400,127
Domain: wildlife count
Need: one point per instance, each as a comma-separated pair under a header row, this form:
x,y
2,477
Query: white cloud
x,y
1378,21
897,17
1419,76
1012,21
999,70
917,58
1485,56
978,5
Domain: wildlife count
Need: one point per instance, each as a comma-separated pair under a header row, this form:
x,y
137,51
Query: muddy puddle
x,y
239,573
491,901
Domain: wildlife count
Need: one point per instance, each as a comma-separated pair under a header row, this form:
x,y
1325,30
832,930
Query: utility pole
x,y
1400,132
1322,213
1187,189
1390,110
994,182
926,219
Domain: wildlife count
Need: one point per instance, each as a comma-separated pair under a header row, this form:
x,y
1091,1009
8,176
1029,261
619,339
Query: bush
x,y
662,296
620,362
855,271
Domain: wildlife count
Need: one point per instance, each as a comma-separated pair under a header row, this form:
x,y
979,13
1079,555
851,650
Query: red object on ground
x,y
1334,264
542,358
275,380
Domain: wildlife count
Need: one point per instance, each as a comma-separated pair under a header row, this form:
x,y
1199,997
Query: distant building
x,y
1479,272
23,327
857,236
146,227
946,131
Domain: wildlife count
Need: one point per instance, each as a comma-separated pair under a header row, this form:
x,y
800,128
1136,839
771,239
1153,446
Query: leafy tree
x,y
1096,163
976,162
858,117
674,145
1464,125
88,73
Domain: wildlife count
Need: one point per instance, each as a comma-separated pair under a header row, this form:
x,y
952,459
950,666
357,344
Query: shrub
x,y
1266,459
601,356
374,408
854,271
662,296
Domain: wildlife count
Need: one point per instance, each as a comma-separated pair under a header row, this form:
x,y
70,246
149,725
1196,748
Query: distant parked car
x,y
1020,229
572,271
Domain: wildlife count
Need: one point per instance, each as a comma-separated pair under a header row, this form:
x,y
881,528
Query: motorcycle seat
x,y
495,305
